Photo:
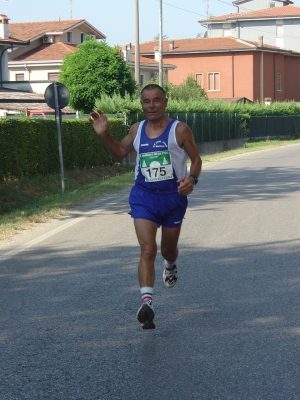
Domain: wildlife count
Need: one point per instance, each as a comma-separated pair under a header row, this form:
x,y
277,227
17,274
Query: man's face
x,y
153,104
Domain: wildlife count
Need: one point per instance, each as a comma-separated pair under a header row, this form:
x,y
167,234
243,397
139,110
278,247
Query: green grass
x,y
26,202
33,200
249,147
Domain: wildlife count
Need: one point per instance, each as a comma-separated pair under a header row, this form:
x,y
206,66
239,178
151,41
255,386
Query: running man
x,y
162,184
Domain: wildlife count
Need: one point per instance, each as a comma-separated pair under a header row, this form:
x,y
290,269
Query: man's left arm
x,y
185,140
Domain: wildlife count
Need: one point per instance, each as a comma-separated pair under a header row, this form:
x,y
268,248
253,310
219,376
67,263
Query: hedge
x,y
30,146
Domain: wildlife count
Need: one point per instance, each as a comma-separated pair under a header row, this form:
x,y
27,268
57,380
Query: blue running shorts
x,y
164,209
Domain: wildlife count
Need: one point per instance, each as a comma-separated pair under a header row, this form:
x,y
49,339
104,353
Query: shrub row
x,y
116,104
30,146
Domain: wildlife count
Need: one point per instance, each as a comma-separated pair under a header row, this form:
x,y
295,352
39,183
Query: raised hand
x,y
99,122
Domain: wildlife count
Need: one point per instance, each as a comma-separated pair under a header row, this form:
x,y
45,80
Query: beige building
x,y
33,68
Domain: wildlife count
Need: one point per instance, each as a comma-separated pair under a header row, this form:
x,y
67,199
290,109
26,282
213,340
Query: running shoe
x,y
170,276
145,315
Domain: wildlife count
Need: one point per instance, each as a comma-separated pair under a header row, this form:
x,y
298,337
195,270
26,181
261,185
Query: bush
x,y
30,146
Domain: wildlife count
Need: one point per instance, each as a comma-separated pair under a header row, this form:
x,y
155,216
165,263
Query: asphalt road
x,y
230,329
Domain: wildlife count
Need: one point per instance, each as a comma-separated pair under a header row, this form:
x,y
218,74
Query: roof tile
x,y
200,44
29,30
47,52
274,12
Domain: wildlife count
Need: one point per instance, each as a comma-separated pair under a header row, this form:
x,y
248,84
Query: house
x,y
32,69
7,43
280,26
252,5
228,67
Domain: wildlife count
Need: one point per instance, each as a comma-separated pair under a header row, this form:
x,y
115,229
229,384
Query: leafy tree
x,y
164,37
188,90
95,68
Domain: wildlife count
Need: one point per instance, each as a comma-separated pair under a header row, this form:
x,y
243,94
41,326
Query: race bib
x,y
156,166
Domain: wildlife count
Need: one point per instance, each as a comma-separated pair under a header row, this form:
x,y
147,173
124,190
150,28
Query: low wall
x,y
219,146
205,149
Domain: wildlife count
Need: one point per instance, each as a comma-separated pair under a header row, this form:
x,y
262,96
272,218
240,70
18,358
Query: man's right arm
x,y
118,149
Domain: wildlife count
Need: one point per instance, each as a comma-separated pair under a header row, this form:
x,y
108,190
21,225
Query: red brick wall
x,y
246,70
291,79
243,75
256,76
236,72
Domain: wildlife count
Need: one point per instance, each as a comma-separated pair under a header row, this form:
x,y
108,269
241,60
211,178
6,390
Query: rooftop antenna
x,y
207,8
207,14
71,9
6,7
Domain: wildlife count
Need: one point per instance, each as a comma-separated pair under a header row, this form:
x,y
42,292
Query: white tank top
x,y
165,142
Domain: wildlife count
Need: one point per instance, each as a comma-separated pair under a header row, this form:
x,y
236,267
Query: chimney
x,y
171,45
127,52
4,27
261,41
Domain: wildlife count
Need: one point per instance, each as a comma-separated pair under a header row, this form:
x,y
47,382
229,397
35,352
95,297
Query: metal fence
x,y
265,126
207,127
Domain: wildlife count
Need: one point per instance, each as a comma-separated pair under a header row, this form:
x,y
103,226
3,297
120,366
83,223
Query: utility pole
x,y
160,45
70,9
137,44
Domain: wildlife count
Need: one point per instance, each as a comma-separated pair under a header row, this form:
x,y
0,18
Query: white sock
x,y
169,265
147,293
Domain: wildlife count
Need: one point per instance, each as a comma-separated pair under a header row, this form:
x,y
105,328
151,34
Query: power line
x,y
221,1
182,9
230,4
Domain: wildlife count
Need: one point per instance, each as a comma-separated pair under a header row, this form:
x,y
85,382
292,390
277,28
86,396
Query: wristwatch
x,y
195,178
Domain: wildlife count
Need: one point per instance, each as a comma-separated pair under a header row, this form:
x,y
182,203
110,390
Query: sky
x,y
116,18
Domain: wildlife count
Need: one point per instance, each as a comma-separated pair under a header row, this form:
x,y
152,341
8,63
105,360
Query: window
x,y
272,5
279,81
82,37
142,80
213,81
279,28
20,77
69,37
154,75
52,76
227,30
199,79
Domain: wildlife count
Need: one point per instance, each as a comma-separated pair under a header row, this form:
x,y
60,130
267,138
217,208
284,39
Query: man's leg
x,y
146,234
169,251
169,241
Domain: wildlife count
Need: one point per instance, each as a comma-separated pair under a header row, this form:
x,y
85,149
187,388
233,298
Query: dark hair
x,y
152,86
